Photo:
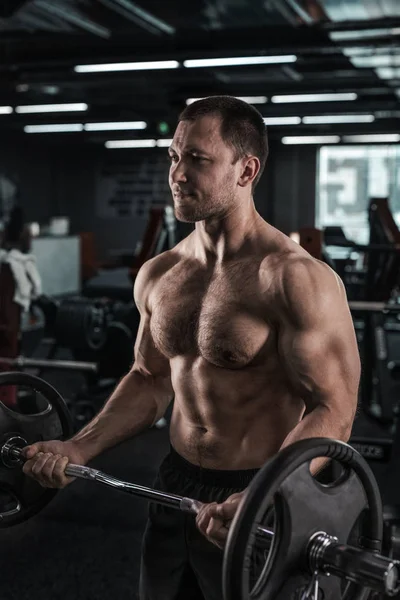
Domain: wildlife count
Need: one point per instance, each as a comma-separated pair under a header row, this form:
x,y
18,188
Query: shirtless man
x,y
251,336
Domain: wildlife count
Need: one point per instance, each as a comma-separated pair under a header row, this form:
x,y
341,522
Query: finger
x,y
205,511
217,533
204,508
30,451
202,522
226,512
48,468
29,464
59,477
37,467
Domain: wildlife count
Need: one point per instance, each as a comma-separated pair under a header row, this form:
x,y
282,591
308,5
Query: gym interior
x,y
90,96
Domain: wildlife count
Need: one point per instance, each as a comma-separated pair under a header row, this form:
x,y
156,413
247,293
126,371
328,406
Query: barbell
x,y
312,521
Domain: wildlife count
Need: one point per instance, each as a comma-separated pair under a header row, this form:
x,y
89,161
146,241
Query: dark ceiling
x,y
340,45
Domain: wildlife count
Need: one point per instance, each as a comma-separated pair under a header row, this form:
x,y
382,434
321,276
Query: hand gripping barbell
x,y
311,526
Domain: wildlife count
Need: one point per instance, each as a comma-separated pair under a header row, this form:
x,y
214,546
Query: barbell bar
x,y
12,452
324,552
21,362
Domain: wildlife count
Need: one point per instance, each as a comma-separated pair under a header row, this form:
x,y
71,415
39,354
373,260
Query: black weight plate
x,y
53,422
303,507
116,357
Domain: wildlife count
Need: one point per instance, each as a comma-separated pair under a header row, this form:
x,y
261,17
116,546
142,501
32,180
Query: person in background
x,y
20,283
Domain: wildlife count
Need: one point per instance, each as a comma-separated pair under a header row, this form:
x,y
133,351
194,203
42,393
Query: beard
x,y
210,206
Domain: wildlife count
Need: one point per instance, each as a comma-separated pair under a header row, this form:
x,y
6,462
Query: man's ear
x,y
250,170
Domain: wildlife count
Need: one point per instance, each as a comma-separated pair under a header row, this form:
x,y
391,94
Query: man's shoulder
x,y
154,269
304,270
304,285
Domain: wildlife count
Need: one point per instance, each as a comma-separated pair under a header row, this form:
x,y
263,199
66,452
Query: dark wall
x,y
292,171
70,179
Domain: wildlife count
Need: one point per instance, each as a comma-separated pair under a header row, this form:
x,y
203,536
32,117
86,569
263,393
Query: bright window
x,y
348,176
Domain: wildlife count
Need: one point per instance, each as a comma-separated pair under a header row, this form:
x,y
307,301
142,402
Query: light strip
x,y
248,99
282,120
376,137
308,139
239,60
113,144
48,108
128,66
116,126
6,110
164,143
316,120
376,61
314,97
340,36
58,128
388,72
118,144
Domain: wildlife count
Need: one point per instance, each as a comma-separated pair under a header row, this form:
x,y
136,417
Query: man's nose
x,y
178,173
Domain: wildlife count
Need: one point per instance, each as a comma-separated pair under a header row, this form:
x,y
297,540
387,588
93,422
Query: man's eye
x,y
173,158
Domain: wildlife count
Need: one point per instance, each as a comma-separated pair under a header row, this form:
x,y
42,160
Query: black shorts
x,y
178,562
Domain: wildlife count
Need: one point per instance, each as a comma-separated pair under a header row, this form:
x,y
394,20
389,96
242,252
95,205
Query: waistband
x,y
212,477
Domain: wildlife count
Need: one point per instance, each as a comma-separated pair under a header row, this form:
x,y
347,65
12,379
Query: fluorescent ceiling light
x,y
314,97
341,36
59,128
311,139
239,60
282,120
376,61
253,99
376,137
388,114
248,99
128,66
388,72
117,126
316,120
164,143
47,108
6,110
112,144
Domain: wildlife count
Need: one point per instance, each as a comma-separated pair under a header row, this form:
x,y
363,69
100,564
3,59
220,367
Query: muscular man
x,y
251,336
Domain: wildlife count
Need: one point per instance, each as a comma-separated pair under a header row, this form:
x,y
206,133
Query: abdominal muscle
x,y
230,419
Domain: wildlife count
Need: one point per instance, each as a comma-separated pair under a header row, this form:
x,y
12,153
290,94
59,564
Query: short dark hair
x,y
242,126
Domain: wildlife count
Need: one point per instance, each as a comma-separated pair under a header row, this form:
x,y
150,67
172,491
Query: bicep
x,y
148,359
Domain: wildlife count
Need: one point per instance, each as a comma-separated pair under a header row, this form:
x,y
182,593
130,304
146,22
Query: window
x,y
348,176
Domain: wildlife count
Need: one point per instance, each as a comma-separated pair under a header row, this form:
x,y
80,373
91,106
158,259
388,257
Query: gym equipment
x,y
312,525
50,421
81,324
116,356
312,521
21,362
378,370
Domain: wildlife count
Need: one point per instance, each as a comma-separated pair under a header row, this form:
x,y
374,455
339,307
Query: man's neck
x,y
220,239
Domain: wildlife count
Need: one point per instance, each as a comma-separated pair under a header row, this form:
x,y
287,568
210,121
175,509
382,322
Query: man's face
x,y
202,175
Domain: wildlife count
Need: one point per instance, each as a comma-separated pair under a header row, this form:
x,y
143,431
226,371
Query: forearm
x,y
136,404
320,422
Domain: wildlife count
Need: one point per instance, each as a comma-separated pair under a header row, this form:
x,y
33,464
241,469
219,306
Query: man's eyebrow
x,y
195,150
